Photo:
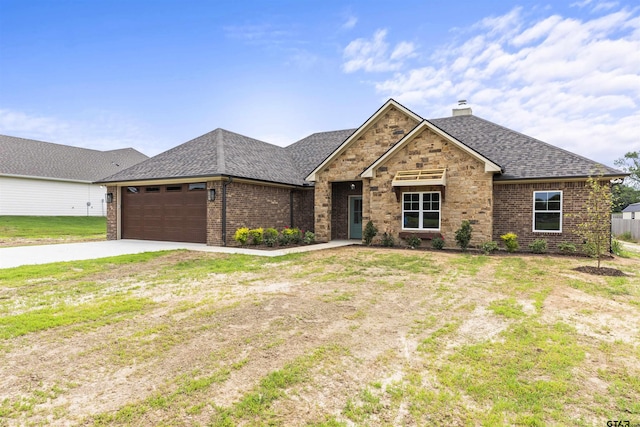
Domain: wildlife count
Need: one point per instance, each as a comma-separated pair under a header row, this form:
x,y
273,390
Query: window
x,y
174,188
133,190
547,211
421,211
152,189
198,186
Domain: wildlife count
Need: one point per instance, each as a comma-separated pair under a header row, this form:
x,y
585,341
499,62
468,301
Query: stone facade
x,y
514,212
467,194
374,141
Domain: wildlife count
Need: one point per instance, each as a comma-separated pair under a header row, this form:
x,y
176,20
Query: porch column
x,y
322,212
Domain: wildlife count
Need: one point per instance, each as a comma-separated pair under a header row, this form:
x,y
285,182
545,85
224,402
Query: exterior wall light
x,y
109,197
212,194
353,187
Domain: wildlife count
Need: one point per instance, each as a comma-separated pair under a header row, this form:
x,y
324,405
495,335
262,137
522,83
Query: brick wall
x,y
112,214
340,192
514,212
253,206
303,209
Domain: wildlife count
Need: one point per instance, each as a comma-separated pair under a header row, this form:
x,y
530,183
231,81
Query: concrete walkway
x,y
43,254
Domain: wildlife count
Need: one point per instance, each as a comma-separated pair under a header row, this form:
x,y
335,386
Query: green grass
x,y
38,227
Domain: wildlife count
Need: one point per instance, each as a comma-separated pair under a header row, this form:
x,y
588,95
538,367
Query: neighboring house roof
x,y
634,207
38,159
224,153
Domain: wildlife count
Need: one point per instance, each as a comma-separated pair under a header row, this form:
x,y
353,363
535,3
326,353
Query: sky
x,y
152,74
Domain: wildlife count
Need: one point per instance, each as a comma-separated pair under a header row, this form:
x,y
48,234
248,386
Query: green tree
x,y
623,196
595,219
631,163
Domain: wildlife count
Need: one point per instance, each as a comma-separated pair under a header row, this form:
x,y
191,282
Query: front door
x,y
355,217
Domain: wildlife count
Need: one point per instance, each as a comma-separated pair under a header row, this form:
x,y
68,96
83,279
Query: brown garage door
x,y
174,213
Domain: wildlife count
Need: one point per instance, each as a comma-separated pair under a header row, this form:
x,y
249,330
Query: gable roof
x,y
521,156
37,159
633,207
224,153
391,103
489,166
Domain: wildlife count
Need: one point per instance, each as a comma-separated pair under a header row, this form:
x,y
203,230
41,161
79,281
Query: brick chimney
x,y
463,109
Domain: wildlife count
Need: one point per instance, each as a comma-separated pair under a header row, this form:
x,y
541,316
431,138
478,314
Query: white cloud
x,y
350,23
572,82
372,55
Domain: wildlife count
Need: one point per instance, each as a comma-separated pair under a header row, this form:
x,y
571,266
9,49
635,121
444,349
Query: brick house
x,y
406,174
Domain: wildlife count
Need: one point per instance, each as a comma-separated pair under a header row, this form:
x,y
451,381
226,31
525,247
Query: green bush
x,y
270,236
488,248
538,246
567,248
463,235
388,240
309,237
413,241
289,235
370,232
626,236
437,243
256,236
241,235
510,241
616,247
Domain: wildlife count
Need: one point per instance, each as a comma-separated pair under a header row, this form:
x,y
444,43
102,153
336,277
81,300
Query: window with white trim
x,y
547,211
421,211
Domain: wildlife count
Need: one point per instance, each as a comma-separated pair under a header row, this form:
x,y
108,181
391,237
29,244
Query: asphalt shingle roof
x,y
520,156
28,157
221,152
634,207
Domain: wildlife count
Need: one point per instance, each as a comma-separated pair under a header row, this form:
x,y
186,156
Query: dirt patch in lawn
x,y
350,323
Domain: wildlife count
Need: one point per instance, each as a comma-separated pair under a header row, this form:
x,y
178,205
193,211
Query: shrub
x,y
270,236
437,243
567,248
463,235
488,248
510,241
309,237
284,239
538,246
241,235
626,236
290,235
256,235
370,232
616,247
413,241
387,240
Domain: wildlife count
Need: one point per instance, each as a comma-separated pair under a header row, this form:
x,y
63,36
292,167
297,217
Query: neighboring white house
x,y
42,178
631,212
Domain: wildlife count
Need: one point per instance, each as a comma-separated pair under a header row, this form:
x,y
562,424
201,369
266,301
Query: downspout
x,y
224,211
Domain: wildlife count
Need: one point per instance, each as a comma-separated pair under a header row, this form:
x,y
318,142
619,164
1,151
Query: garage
x,y
172,212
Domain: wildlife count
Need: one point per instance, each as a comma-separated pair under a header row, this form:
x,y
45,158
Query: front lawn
x,y
21,230
350,336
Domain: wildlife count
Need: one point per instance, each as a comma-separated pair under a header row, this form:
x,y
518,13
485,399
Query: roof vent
x,y
463,109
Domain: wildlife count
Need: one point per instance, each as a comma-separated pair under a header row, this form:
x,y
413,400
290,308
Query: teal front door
x,y
355,217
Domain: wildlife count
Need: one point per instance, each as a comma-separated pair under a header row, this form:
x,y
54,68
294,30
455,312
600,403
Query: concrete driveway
x,y
43,254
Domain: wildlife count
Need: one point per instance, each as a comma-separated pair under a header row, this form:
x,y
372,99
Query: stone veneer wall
x,y
112,213
467,194
390,127
514,212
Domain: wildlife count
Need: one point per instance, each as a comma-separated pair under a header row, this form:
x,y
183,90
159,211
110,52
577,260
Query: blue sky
x,y
152,74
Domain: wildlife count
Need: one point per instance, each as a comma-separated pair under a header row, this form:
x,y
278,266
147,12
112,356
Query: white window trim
x,y
421,193
533,216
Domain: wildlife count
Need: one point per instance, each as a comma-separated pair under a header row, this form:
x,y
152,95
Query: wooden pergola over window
x,y
420,177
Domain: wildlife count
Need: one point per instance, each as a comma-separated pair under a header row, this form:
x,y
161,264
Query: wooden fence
x,y
620,226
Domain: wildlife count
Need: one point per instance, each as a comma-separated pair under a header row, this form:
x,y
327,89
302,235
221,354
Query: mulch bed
x,y
602,271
